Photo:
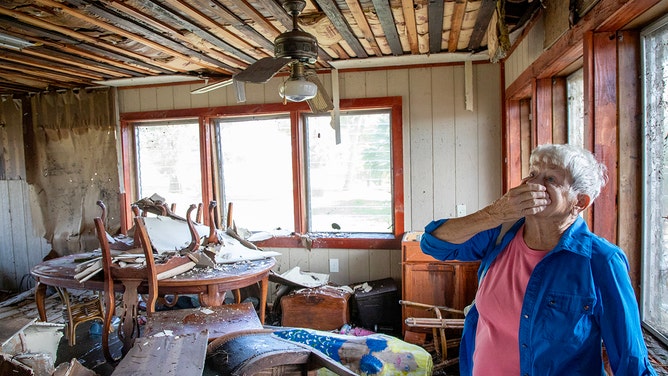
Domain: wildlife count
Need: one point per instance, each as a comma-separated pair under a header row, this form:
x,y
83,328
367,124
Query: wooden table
x,y
210,284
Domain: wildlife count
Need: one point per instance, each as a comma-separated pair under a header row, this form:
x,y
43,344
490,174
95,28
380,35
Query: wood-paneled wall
x,y
452,156
21,247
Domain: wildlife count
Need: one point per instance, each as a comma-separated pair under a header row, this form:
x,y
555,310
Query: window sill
x,y
334,240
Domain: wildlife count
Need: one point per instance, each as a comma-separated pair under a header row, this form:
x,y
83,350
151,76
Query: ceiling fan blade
x,y
322,102
211,87
262,70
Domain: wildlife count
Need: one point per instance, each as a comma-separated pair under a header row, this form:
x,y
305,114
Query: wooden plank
x,y
174,32
164,96
605,133
485,13
339,22
137,30
12,159
353,84
559,110
466,149
166,355
83,55
435,19
543,114
37,247
386,19
34,21
358,265
513,145
411,28
488,109
379,88
630,154
526,135
456,25
380,264
19,241
363,24
443,142
421,148
343,276
7,269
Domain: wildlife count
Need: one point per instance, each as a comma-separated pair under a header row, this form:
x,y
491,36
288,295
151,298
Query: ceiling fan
x,y
296,49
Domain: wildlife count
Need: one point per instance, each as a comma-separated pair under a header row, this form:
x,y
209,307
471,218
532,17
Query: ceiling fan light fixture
x,y
298,90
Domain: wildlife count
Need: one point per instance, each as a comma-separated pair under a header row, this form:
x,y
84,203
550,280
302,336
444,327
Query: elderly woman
x,y
550,291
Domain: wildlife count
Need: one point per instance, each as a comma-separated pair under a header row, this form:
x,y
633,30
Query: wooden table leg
x,y
129,321
109,305
40,295
264,289
213,297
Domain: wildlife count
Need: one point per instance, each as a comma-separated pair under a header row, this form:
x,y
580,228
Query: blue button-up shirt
x,y
578,295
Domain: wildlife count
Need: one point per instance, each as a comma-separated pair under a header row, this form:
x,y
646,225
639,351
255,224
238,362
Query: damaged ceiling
x,y
54,45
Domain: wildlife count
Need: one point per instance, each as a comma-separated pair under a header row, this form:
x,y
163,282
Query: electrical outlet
x,y
333,265
461,210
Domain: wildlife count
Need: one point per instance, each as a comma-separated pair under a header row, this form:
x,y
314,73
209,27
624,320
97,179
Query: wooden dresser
x,y
429,281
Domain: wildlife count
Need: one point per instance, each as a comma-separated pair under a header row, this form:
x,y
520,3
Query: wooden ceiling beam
x,y
247,30
485,13
164,45
230,62
41,74
56,57
386,19
53,66
360,18
456,25
82,37
119,65
336,17
411,27
35,82
219,31
436,9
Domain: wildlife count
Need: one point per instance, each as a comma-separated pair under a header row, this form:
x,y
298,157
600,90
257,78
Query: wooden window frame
x,y
205,117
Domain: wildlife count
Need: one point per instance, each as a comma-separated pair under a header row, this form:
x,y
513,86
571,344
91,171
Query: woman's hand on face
x,y
521,201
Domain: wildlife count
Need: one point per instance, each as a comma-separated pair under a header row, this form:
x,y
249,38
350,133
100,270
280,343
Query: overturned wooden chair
x,y
439,326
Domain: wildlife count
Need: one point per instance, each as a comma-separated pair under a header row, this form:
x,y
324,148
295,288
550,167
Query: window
x,y
350,183
280,166
168,162
256,164
655,240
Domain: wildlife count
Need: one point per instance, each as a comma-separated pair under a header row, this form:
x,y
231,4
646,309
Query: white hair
x,y
587,174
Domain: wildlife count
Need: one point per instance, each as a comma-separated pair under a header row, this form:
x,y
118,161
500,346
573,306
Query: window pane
x,y
168,163
256,163
655,276
350,184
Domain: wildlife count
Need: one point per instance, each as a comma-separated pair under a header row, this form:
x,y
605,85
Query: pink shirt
x,y
499,302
